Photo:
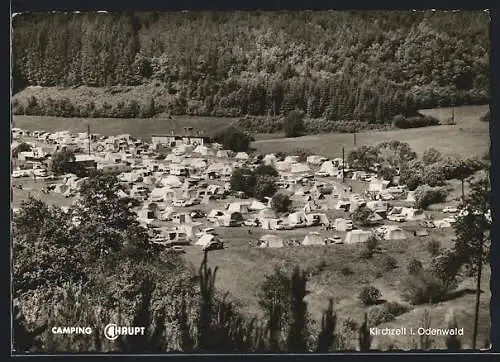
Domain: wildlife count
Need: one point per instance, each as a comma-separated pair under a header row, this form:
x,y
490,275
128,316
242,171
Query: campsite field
x,y
468,137
242,269
141,128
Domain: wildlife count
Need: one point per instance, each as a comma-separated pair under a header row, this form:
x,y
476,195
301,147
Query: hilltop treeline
x,y
332,65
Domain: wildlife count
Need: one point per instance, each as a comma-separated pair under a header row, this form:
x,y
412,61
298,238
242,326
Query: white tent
x,y
182,218
271,241
223,154
173,158
166,214
328,167
357,236
299,168
206,239
61,188
343,205
242,156
120,193
268,223
394,233
411,196
201,149
238,207
413,214
149,180
442,224
171,180
267,213
377,185
313,219
282,166
315,159
377,206
269,159
215,213
292,159
159,194
297,218
257,205
313,239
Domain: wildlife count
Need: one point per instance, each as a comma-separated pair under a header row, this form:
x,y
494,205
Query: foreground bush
x,y
385,313
422,288
433,247
414,266
389,263
426,196
369,295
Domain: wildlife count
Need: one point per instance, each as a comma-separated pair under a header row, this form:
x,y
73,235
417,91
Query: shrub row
x,y
400,121
416,172
64,107
320,125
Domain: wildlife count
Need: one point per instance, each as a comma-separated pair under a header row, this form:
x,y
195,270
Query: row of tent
x,y
352,237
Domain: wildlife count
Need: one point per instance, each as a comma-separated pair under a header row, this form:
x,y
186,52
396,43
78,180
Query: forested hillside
x,y
332,65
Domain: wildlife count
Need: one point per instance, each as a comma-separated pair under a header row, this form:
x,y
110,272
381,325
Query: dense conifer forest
x,y
333,66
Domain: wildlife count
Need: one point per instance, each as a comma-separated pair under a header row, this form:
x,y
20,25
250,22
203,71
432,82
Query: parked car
x,y
428,224
40,172
197,214
397,218
213,246
250,222
450,209
20,173
177,249
179,203
322,174
335,239
192,202
284,226
451,219
386,197
205,231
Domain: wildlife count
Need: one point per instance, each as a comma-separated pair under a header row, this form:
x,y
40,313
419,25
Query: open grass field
x,y
141,128
469,137
242,270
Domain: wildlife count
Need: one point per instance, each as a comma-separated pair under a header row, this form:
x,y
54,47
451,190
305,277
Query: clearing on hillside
x,y
471,134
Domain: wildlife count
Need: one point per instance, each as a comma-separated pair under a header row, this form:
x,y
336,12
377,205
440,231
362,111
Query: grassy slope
x,y
242,270
468,137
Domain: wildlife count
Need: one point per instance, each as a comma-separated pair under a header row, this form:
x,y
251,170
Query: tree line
x,y
337,66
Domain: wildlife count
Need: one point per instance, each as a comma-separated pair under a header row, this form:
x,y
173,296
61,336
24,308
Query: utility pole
x,y
354,137
342,164
88,135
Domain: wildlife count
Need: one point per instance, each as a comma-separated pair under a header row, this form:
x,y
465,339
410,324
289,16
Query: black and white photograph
x,y
250,182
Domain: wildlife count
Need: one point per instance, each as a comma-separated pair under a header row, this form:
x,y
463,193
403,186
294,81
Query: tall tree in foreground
x,y
207,289
297,333
326,338
365,339
473,239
